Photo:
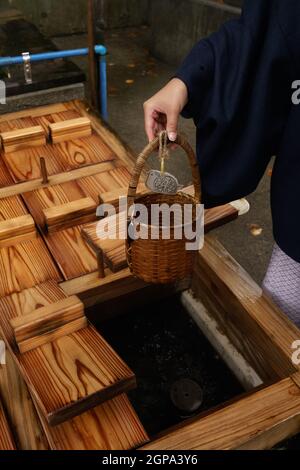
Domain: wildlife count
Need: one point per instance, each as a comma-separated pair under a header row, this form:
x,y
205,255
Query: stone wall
x,y
176,25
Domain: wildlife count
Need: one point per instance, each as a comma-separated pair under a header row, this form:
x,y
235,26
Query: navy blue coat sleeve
x,y
239,82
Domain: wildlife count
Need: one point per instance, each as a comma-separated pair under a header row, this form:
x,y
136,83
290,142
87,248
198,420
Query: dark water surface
x,y
162,344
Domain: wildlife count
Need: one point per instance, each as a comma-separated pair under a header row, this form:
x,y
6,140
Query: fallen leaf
x,y
255,230
129,82
270,171
131,66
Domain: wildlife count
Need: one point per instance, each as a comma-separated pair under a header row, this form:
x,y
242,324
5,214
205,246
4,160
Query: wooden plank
x,y
236,424
114,425
112,180
111,426
250,319
25,165
61,178
34,112
70,129
72,254
113,250
46,324
84,152
112,197
25,265
71,212
16,230
6,438
23,138
25,424
43,199
79,371
92,290
113,141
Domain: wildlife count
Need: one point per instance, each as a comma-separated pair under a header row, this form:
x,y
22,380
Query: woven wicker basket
x,y
162,261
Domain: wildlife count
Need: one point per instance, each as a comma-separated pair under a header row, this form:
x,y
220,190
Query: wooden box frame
x,y
229,307
222,294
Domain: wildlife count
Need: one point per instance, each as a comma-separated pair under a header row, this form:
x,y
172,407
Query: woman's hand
x,y
163,109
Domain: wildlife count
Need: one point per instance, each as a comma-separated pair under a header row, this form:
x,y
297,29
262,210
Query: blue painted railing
x,y
99,50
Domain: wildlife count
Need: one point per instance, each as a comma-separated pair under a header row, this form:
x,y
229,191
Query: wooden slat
x,y
73,255
46,324
17,230
61,178
111,426
23,138
25,265
102,129
25,424
25,166
70,129
61,216
85,151
34,112
79,371
6,438
249,318
257,416
114,425
113,249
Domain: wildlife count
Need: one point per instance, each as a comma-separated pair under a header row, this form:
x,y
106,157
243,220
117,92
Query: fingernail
x,y
172,136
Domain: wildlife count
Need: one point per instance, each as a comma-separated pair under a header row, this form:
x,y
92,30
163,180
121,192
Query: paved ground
x,y
133,76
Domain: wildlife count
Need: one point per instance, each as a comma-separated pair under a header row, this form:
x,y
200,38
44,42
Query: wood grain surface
x,y
51,197
21,139
46,324
79,370
17,230
113,250
6,438
114,425
25,165
25,265
69,214
73,255
24,421
70,129
251,320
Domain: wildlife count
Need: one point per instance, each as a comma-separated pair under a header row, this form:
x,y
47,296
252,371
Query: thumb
x,y
172,124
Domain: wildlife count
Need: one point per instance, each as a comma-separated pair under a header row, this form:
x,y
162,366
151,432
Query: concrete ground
x,y
133,76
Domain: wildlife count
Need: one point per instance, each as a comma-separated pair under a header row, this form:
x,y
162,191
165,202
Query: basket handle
x,y
153,146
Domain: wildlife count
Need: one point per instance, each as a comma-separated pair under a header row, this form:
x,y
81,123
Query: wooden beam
x,y
49,323
20,410
60,178
259,330
72,213
23,138
257,416
17,230
70,130
6,438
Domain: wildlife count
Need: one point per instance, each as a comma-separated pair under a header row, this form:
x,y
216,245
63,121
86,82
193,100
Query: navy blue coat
x,y
239,82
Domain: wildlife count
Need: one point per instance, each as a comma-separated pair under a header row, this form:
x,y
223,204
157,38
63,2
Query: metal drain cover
x,y
186,395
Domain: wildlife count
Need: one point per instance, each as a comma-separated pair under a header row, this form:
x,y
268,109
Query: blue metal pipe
x,y
99,50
